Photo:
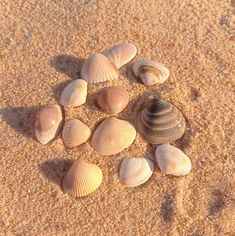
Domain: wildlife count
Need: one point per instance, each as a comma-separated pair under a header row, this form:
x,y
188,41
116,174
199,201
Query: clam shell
x,y
113,136
135,171
121,54
75,133
48,123
113,99
82,179
97,68
150,72
74,94
160,122
172,160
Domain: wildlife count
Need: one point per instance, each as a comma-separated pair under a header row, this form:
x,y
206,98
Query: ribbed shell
x,y
160,122
82,179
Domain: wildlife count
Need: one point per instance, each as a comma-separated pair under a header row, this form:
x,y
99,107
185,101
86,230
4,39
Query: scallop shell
x,y
113,136
82,179
160,122
97,68
135,171
150,72
74,94
48,123
75,133
113,99
121,54
172,161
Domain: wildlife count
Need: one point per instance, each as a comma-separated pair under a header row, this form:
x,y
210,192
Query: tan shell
x,y
150,72
121,54
48,123
97,68
75,133
113,136
82,179
74,94
113,99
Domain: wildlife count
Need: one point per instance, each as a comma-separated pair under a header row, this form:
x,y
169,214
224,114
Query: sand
x,y
43,45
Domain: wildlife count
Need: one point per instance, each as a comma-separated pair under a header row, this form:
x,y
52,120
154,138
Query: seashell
x,y
150,72
74,94
97,68
75,133
113,136
48,123
160,122
172,160
135,171
82,179
121,54
113,99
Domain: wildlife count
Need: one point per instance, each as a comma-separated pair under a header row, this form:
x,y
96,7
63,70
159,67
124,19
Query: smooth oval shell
x,y
113,99
48,123
82,179
135,171
172,160
160,122
74,94
150,72
75,133
113,136
121,54
97,68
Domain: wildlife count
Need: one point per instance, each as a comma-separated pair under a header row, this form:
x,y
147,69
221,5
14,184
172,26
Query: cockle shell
x,y
150,72
160,122
121,54
75,133
74,94
113,136
97,68
48,123
113,99
135,171
82,179
172,160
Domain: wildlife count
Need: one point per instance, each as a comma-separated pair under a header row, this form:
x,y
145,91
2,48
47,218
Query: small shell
x,y
113,99
75,133
172,161
113,136
121,54
97,68
74,94
82,179
150,72
160,122
48,123
135,171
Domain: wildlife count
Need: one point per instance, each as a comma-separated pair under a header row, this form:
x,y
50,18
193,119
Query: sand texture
x,y
42,47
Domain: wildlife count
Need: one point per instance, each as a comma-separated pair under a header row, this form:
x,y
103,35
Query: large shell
x,y
74,94
160,122
97,68
75,133
113,136
48,123
150,72
135,171
82,179
172,161
113,99
121,54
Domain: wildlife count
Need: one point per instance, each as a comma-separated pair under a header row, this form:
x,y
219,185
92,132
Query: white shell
x,y
172,160
135,171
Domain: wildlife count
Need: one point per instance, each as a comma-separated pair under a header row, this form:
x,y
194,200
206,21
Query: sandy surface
x,y
42,47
